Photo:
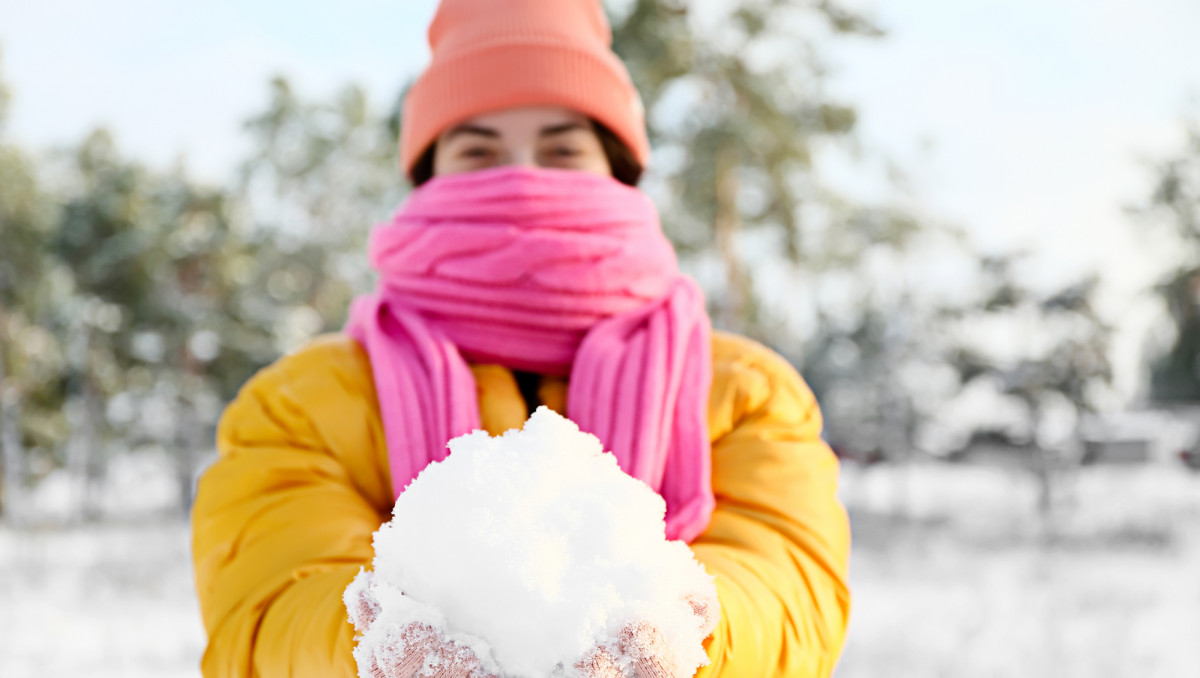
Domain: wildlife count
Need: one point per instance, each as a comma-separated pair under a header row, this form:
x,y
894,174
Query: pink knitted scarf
x,y
548,271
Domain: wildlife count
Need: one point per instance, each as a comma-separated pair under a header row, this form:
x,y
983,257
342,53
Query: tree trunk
x,y
95,469
11,453
189,439
1044,471
733,311
190,431
83,450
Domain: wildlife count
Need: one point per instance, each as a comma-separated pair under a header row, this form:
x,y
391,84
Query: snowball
x,y
532,549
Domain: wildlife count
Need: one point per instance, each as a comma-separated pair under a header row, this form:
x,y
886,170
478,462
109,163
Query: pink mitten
x,y
642,647
416,646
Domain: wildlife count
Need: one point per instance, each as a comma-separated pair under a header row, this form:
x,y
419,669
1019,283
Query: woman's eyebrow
x,y
552,130
472,129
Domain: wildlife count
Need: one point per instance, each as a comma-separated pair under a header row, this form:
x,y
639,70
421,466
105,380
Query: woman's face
x,y
529,136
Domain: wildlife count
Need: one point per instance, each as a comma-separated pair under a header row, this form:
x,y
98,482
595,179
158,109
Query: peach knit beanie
x,y
494,54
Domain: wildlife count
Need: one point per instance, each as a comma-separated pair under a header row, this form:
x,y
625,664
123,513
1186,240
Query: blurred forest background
x,y
975,415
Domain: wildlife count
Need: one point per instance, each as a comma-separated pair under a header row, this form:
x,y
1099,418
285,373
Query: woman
x,y
524,270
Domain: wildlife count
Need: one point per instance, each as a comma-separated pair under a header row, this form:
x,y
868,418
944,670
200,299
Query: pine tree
x,y
1174,206
23,349
736,100
737,104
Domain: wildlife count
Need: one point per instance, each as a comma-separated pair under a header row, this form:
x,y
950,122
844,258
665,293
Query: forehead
x,y
525,119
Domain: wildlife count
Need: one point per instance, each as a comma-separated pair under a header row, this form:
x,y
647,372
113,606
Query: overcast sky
x,y
1024,121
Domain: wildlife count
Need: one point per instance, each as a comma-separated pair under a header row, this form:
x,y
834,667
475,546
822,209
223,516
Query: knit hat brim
x,y
505,75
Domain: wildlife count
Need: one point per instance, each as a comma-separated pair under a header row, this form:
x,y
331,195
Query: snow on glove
x,y
642,648
417,649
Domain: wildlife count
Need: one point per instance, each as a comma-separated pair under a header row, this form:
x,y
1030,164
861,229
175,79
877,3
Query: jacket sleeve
x,y
778,544
283,519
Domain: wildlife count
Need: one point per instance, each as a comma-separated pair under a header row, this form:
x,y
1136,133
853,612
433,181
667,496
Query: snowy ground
x,y
968,583
112,601
973,584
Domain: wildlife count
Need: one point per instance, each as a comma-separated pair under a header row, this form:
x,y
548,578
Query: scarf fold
x,y
548,271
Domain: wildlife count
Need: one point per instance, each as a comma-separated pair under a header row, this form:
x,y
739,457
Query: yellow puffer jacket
x,y
283,519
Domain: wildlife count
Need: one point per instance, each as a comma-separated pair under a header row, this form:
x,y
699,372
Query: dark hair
x,y
625,166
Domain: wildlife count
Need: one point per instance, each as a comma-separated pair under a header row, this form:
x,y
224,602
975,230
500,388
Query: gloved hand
x,y
643,648
417,645
640,646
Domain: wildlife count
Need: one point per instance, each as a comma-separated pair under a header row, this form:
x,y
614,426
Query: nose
x,y
522,160
523,156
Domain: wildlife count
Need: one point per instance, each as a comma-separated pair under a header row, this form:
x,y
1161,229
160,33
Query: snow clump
x,y
532,549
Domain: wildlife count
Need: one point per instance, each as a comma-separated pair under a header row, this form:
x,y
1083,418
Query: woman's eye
x,y
475,152
565,152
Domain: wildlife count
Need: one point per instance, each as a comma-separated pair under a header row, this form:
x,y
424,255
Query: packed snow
x,y
533,549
